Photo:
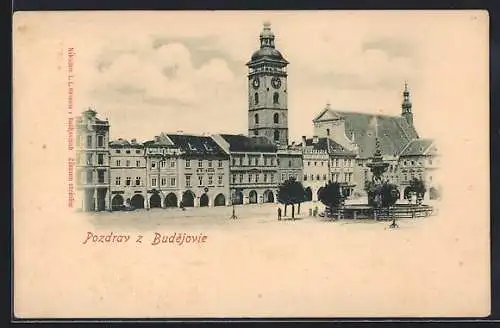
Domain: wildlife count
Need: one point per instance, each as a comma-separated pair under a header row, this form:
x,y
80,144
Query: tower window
x,y
276,98
276,135
327,132
256,118
256,98
255,132
276,118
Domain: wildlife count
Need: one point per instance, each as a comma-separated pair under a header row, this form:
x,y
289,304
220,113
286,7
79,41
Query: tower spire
x,y
266,36
406,105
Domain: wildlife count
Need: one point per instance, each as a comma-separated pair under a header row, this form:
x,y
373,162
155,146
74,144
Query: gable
x,y
327,115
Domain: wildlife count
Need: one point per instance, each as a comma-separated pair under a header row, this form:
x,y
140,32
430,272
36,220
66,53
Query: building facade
x,y
325,161
187,170
92,162
253,168
267,91
162,172
203,171
290,163
128,174
420,159
316,170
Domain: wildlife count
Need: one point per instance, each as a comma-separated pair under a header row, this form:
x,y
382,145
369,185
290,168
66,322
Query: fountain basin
x,y
361,211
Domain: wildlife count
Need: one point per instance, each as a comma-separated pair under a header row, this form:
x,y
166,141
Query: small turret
x,y
406,106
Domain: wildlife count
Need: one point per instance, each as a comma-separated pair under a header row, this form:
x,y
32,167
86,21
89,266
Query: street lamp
x,y
233,196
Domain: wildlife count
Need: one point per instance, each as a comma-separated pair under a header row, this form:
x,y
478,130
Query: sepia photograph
x,y
230,164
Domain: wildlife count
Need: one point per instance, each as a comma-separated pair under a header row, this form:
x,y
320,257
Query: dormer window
x,y
191,147
207,147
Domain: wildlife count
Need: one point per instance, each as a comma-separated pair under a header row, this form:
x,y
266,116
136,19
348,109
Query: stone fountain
x,y
376,209
377,167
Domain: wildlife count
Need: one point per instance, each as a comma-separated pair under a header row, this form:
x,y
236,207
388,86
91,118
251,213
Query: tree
x,y
291,192
330,195
390,194
418,187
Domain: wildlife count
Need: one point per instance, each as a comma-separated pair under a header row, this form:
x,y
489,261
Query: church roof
x,y
418,147
241,143
329,145
394,132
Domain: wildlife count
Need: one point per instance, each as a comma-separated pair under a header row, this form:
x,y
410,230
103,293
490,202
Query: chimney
x,y
157,138
304,141
315,139
134,140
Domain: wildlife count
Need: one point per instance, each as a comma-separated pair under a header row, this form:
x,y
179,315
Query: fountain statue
x,y
377,167
382,195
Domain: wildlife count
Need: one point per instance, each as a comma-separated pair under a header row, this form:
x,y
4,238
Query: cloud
x,y
392,47
163,74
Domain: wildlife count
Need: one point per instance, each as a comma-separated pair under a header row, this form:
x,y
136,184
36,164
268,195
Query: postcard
x,y
251,164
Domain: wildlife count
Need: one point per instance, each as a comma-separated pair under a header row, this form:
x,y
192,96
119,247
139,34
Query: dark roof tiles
x,y
394,132
197,145
334,148
241,143
418,147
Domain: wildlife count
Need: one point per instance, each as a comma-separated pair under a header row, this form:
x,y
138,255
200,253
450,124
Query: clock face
x,y
256,82
276,82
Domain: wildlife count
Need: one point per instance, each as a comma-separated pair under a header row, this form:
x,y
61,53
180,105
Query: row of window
x,y
127,163
89,177
276,118
201,180
406,163
127,151
89,144
89,159
253,161
276,100
253,178
258,177
162,164
335,177
336,163
128,181
408,177
276,134
171,181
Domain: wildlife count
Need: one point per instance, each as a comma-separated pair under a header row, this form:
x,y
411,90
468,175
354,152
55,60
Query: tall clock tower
x,y
267,91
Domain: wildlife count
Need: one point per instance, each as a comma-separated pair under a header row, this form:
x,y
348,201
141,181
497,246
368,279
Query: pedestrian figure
x,y
279,213
181,205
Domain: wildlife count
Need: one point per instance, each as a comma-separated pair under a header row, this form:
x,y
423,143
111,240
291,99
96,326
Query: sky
x,y
153,72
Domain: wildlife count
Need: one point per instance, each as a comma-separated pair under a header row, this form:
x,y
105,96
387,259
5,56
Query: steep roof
x,y
418,147
196,145
241,143
124,143
331,146
394,132
160,141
